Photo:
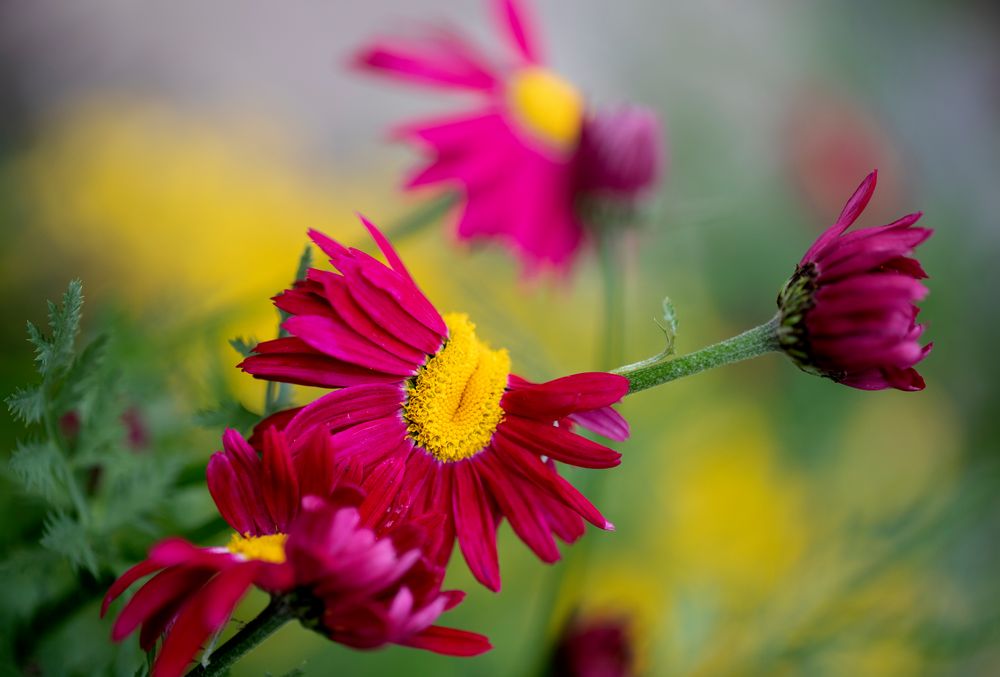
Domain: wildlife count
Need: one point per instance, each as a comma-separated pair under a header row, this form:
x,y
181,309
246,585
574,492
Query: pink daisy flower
x,y
848,312
432,414
531,156
295,528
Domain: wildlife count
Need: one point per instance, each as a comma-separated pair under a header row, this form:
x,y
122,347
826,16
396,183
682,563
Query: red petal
x,y
202,616
560,444
564,396
350,406
546,477
512,495
449,641
279,483
168,586
475,525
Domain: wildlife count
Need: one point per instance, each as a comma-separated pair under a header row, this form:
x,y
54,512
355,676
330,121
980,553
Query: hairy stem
x,y
275,614
664,368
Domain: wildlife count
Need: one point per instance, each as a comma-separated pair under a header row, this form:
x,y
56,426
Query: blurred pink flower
x,y
594,647
848,312
828,139
531,153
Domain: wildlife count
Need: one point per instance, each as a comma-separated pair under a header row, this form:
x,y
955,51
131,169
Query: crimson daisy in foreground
x,y
432,414
299,534
531,158
848,312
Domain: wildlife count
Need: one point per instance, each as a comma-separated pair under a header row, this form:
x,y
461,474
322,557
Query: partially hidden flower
x,y
848,313
432,414
298,530
594,646
531,157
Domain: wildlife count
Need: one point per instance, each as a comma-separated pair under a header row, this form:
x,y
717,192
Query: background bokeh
x,y
174,154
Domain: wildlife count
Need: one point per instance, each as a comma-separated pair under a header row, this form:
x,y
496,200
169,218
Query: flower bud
x,y
594,647
621,153
848,312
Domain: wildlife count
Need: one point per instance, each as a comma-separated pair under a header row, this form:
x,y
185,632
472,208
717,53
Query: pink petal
x,y
518,29
853,208
441,60
604,421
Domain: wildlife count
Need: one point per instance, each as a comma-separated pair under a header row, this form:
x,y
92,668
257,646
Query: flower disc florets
x,y
453,404
549,107
267,548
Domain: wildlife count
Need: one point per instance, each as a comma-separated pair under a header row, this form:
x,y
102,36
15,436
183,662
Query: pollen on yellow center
x,y
453,403
269,548
547,105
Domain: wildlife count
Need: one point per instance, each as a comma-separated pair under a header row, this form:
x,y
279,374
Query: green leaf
x,y
86,382
244,346
65,320
56,351
36,466
30,575
135,485
65,536
43,349
229,415
305,263
27,404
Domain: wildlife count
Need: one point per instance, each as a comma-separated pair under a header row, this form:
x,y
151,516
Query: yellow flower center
x,y
547,105
269,548
453,404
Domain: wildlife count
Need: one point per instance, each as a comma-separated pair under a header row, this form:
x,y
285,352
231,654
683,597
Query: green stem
x,y
271,398
663,368
275,614
72,486
427,214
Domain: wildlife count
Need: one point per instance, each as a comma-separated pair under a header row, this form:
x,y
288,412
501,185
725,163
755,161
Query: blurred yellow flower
x,y
895,451
159,204
734,517
180,212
